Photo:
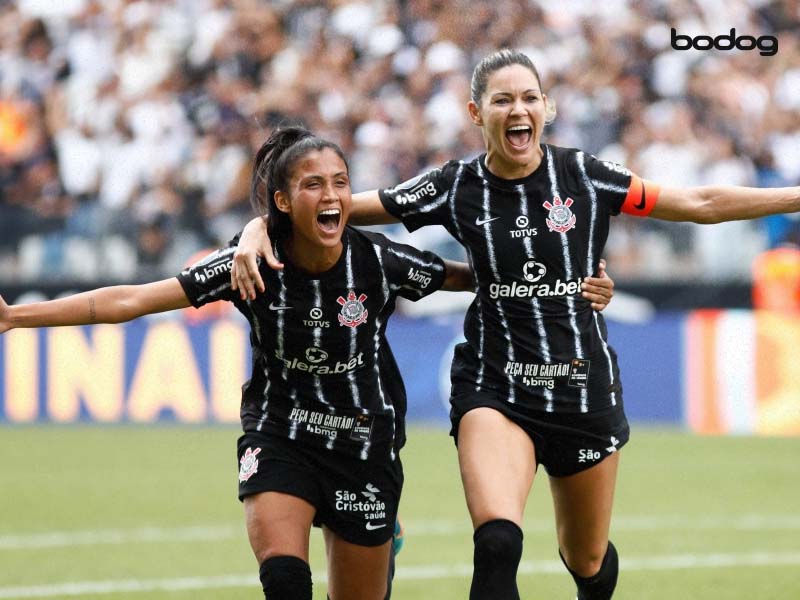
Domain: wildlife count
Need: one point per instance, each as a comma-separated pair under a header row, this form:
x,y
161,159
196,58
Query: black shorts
x,y
565,443
356,499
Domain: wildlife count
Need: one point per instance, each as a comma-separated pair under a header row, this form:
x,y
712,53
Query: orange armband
x,y
642,197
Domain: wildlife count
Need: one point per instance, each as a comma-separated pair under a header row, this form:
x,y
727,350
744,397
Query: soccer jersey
x,y
322,370
530,337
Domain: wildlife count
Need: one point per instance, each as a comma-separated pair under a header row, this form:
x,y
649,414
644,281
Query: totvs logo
x,y
767,44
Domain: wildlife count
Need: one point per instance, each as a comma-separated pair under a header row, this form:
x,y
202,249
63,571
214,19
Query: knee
x,y
597,583
584,562
285,578
498,542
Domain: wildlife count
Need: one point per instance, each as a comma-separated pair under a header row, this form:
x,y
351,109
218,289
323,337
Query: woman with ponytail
x,y
323,413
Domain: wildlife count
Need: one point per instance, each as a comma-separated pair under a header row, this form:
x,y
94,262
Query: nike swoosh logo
x,y
272,306
480,221
640,205
371,527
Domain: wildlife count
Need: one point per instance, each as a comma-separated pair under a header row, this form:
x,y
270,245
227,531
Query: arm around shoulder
x,y
367,209
253,243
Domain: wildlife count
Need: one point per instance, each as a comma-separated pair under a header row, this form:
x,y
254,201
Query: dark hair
x,y
272,170
495,62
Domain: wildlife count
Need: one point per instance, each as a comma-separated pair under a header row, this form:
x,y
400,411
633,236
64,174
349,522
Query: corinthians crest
x,y
561,218
353,312
249,464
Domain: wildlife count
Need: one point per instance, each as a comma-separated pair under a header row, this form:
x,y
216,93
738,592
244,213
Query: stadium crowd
x,y
126,126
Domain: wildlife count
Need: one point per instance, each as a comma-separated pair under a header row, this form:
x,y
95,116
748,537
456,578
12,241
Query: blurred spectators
x,y
127,126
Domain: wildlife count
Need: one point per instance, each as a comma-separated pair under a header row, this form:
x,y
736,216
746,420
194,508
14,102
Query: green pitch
x,y
109,513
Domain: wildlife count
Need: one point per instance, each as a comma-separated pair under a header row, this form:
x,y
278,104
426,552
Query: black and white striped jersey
x,y
322,370
531,338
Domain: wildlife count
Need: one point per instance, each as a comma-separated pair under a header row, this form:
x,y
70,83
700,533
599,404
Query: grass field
x,y
113,513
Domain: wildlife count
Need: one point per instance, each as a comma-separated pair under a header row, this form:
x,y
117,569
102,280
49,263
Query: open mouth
x,y
328,219
519,135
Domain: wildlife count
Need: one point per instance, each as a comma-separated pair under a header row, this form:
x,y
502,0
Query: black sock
x,y
599,586
498,549
285,578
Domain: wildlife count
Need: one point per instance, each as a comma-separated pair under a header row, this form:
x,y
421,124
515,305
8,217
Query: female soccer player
x,y
536,381
323,412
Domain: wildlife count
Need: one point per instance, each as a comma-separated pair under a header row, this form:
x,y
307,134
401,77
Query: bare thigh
x,y
498,464
583,504
356,572
278,525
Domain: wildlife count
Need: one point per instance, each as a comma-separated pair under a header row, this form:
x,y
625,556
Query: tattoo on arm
x,y
92,312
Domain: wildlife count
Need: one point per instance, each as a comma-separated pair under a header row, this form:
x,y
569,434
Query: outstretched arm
x,y
366,209
720,203
114,304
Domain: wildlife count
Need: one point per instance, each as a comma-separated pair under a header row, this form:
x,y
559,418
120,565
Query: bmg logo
x,y
767,44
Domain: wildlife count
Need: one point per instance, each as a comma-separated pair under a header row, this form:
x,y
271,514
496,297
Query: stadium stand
x,y
126,125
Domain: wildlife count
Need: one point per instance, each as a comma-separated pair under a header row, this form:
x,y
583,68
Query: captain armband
x,y
642,197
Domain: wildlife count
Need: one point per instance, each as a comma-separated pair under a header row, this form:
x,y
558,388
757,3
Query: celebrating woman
x,y
536,381
323,412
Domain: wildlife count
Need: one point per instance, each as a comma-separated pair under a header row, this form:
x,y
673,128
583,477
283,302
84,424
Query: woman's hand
x,y
5,316
598,290
253,244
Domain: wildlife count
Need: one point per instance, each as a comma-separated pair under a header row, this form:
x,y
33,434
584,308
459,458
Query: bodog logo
x,y
767,44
